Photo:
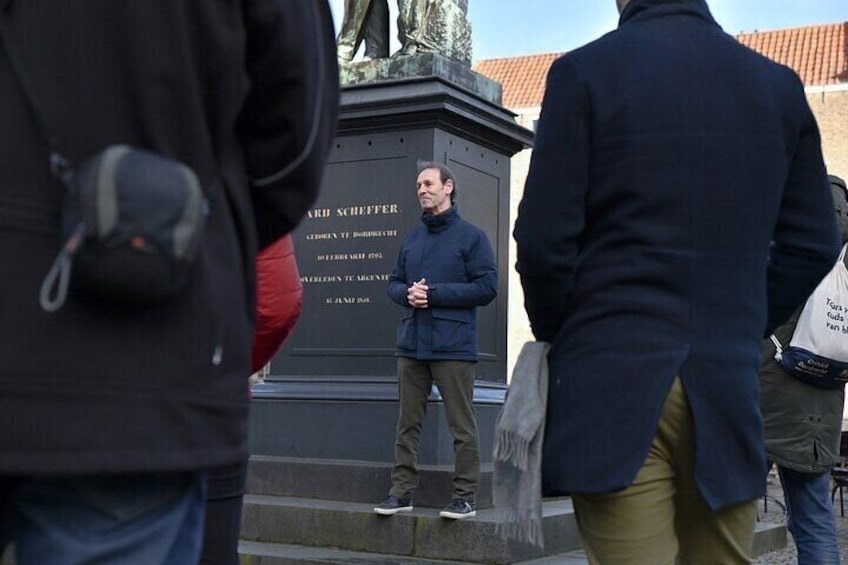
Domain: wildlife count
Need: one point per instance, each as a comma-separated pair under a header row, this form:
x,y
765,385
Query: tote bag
x,y
818,351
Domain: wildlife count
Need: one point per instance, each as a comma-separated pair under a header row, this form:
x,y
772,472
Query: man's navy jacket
x,y
456,259
676,209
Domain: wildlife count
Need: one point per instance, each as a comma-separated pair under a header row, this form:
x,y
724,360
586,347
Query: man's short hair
x,y
445,173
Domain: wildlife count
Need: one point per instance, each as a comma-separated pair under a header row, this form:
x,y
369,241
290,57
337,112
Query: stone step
x,y
767,538
420,534
353,481
571,558
260,553
286,530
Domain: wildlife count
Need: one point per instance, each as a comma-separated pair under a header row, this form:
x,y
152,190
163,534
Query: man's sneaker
x,y
458,510
392,505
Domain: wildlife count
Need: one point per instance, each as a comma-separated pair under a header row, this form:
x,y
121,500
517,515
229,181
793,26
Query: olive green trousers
x,y
455,380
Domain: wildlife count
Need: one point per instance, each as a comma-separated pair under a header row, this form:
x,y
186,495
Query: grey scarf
x,y
517,482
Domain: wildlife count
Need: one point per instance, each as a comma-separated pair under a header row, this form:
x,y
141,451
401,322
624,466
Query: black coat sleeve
x,y
291,112
806,240
398,285
552,213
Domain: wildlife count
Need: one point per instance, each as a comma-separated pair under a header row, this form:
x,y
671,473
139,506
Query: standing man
x,y
368,21
675,212
110,411
802,423
445,270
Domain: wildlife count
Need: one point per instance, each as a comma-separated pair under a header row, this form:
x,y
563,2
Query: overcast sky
x,y
509,28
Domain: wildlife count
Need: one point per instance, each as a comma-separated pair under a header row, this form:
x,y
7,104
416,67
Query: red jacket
x,y
279,296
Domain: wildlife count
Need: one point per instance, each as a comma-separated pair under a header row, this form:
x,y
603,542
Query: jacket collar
x,y
637,10
441,221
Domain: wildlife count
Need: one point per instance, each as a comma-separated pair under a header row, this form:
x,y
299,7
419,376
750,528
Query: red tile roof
x,y
523,78
819,54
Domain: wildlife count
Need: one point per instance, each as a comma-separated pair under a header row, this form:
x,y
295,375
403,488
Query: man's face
x,y
433,195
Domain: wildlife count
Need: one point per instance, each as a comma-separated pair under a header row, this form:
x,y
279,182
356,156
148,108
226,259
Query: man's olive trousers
x,y
455,380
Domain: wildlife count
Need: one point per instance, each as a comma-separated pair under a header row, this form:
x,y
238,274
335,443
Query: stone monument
x,y
331,395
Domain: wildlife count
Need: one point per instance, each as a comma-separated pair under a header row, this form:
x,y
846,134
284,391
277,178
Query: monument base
x,y
341,446
332,392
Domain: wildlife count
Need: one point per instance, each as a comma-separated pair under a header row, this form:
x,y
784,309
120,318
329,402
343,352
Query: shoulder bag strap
x,y
59,166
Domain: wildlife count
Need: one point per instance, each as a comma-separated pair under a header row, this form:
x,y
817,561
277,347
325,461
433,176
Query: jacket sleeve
x,y
290,115
551,215
482,284
398,285
278,301
806,241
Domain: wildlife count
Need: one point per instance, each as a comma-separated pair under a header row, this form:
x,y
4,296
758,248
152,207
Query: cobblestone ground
x,y
773,512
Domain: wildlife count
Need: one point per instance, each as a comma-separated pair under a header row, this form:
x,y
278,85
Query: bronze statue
x,y
368,21
431,26
413,19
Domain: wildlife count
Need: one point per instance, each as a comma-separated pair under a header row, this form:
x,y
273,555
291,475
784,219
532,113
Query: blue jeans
x,y
145,519
809,516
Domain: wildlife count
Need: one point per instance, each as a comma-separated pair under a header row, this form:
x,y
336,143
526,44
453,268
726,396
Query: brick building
x,y
819,54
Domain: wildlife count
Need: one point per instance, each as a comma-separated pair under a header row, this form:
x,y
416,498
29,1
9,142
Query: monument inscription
x,y
351,247
346,249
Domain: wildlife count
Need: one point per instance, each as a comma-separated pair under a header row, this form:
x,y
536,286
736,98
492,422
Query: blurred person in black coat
x,y
109,415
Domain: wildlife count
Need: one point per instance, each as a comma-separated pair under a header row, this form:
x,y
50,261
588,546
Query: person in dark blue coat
x,y
445,270
675,212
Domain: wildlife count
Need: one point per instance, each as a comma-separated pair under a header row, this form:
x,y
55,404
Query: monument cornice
x,y
428,90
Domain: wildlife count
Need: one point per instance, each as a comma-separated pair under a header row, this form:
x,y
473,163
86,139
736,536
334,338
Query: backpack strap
x,y
59,165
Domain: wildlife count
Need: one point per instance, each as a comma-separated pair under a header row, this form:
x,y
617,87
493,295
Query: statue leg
x,y
412,15
377,30
352,29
